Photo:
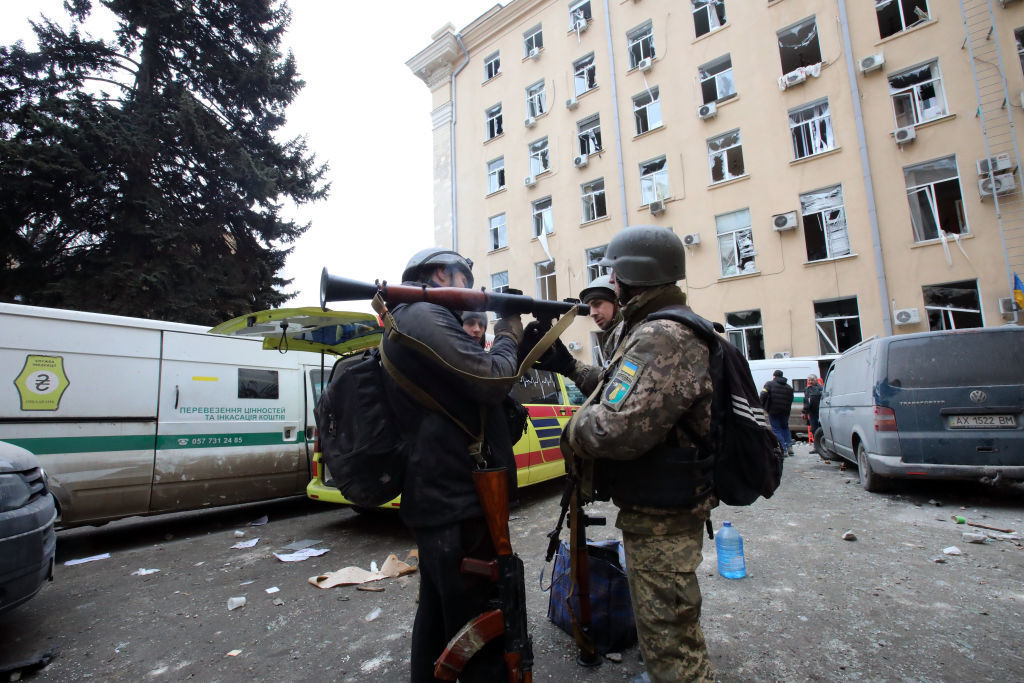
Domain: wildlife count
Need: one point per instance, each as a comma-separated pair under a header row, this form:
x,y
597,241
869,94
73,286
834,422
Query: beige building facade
x,y
827,162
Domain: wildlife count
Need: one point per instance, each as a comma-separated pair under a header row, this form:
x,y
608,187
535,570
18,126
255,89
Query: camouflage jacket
x,y
657,381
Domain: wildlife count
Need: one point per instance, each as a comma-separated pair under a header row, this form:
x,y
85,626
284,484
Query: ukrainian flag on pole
x,y
1018,291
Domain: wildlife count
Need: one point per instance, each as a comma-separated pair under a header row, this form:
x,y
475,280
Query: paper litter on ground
x,y
392,568
301,555
246,544
143,572
301,545
83,560
259,522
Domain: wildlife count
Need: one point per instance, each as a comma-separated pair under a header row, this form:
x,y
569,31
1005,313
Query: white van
x,y
136,417
796,371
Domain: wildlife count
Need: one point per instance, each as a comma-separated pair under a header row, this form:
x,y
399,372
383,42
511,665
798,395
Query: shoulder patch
x,y
622,382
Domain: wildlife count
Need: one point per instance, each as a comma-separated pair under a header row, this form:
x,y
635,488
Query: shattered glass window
x,y
534,38
647,110
498,232
542,219
953,305
653,180
716,80
824,220
640,42
584,74
745,331
588,132
594,206
545,272
499,281
1018,34
579,14
593,257
811,127
539,157
899,15
798,45
838,325
707,15
917,95
492,66
496,175
936,201
493,121
536,100
735,243
725,155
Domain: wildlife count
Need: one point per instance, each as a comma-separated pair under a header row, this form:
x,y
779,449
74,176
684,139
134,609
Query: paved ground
x,y
814,607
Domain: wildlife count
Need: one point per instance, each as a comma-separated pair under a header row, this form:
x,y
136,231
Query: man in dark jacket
x,y
777,400
812,400
439,502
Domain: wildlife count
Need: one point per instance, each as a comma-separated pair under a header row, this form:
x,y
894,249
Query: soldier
x,y
439,501
639,429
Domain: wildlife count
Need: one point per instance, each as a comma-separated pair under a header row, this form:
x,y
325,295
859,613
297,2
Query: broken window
x,y
593,258
542,220
746,333
798,45
579,14
498,232
899,15
811,127
953,305
539,156
533,40
593,200
735,243
933,190
824,219
725,155
492,66
838,325
584,74
493,121
1018,34
707,15
917,95
640,42
716,81
536,101
545,272
588,132
653,180
647,110
499,281
495,175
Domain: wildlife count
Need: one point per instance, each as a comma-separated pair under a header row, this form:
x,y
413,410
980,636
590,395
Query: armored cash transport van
x,y
138,417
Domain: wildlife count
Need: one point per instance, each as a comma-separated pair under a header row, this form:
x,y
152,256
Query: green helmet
x,y
433,258
646,255
599,288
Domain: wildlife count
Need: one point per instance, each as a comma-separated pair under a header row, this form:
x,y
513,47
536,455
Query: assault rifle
x,y
334,288
507,616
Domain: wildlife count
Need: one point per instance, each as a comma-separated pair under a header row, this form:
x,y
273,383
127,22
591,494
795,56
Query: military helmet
x,y
433,258
599,288
646,255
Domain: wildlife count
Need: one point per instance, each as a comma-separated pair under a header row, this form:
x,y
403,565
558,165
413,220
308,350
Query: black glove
x,y
557,359
531,335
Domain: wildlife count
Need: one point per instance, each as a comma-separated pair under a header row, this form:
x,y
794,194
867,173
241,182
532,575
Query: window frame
x,y
1018,35
920,232
497,231
536,99
730,237
493,58
539,153
533,38
592,196
586,13
580,68
650,180
495,175
798,57
742,335
496,278
713,19
588,135
538,214
806,129
830,321
727,156
592,257
807,220
493,122
546,282
704,75
950,315
641,37
912,93
653,94
902,17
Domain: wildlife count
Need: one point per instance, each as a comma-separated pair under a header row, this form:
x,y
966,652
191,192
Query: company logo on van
x,y
979,396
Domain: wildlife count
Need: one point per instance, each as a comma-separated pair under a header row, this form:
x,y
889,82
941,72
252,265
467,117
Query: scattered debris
x,y
375,613
371,589
83,560
246,544
848,535
235,603
234,653
939,560
990,528
271,590
957,518
278,602
936,503
301,555
392,568
239,533
246,583
143,572
301,545
259,522
614,657
971,537
952,550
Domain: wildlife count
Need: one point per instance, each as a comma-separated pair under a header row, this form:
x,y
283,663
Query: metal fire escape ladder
x,y
995,111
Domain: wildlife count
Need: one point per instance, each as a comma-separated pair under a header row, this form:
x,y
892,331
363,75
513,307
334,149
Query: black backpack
x,y
747,454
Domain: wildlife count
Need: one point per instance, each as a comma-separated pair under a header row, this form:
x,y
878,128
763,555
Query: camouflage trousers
x,y
666,604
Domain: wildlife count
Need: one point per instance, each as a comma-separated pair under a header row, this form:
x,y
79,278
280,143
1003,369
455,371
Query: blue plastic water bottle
x,y
729,545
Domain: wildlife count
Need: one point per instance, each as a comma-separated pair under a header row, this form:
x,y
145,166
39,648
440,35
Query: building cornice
x,y
498,20
434,64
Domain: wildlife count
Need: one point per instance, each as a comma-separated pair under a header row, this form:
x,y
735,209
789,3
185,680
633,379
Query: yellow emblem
x,y
42,382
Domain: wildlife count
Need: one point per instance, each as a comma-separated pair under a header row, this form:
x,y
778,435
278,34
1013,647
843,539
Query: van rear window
x,y
953,360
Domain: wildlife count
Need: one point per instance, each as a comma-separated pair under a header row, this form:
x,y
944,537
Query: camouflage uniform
x,y
658,379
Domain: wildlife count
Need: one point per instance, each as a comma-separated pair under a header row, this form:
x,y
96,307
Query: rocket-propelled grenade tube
x,y
334,288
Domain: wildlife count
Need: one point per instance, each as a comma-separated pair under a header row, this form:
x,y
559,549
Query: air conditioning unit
x,y
580,26
645,64
571,103
784,221
534,53
1000,162
530,122
868,64
657,206
997,184
904,135
907,316
692,239
1007,306
795,77
707,111
574,346
782,354
581,160
530,181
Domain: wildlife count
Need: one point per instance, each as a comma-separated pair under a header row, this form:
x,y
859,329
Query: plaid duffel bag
x,y
611,624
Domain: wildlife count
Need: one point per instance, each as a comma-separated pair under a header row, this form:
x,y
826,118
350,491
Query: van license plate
x,y
982,421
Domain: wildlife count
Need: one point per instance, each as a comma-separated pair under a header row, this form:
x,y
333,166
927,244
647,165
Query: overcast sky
x,y
364,113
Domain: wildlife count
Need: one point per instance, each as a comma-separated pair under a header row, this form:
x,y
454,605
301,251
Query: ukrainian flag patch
x,y
622,383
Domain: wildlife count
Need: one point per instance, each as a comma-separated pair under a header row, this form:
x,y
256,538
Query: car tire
x,y
819,447
870,480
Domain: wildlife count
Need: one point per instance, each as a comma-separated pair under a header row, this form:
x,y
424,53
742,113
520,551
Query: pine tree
x,y
145,175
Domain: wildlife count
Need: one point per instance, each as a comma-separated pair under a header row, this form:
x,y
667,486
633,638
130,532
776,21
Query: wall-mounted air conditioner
x,y
795,77
657,206
530,122
782,354
530,181
869,64
645,64
904,135
581,160
534,53
995,164
1007,306
692,239
784,221
580,26
907,316
997,184
574,346
707,111
571,103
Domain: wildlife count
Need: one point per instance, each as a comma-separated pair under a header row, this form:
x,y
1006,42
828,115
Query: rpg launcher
x,y
334,288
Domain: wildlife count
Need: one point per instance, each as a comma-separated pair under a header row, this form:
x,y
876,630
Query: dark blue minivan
x,y
937,405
